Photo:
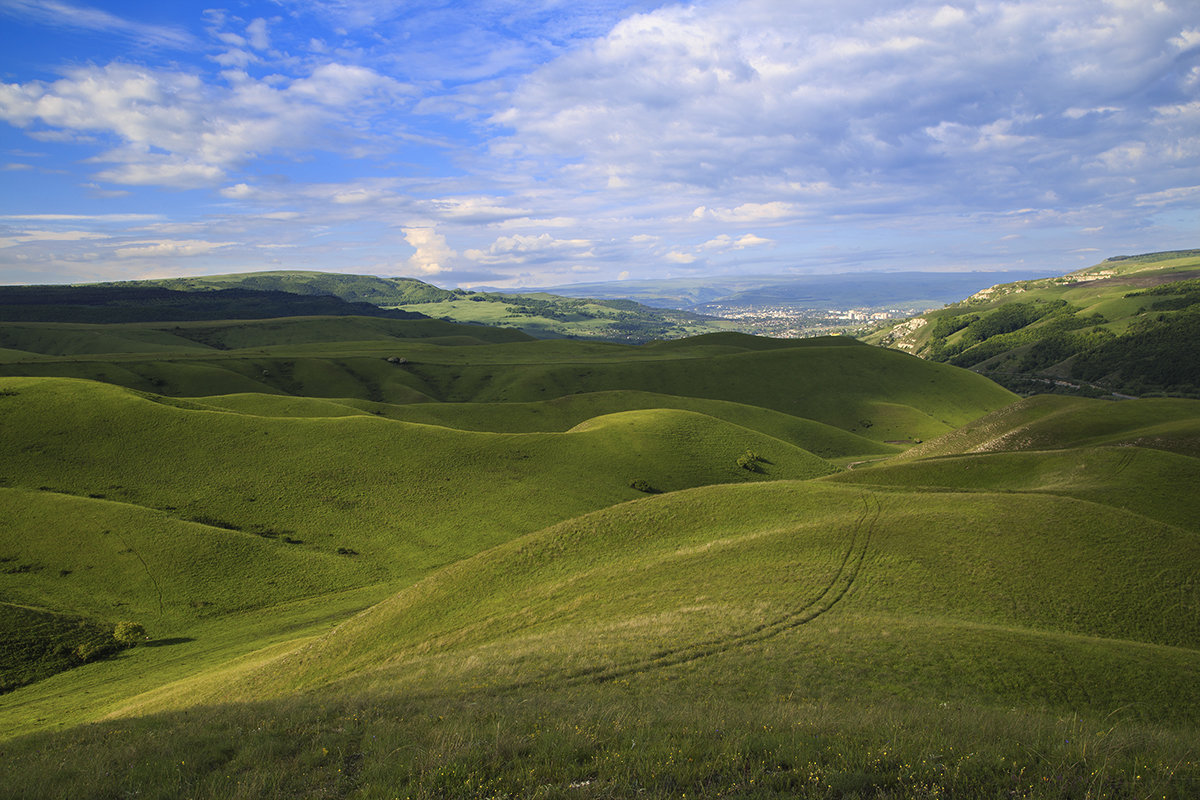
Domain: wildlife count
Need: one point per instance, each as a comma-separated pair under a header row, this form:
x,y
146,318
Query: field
x,y
384,558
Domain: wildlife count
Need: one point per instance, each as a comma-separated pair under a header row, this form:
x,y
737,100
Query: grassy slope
x,y
1052,347
407,496
562,414
1020,622
875,393
540,314
1047,422
64,338
790,637
881,395
571,318
683,576
353,288
123,478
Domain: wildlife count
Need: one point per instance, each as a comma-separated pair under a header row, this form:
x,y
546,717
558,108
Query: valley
x,y
383,557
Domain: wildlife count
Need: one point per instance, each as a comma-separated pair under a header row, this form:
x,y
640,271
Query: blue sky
x,y
545,142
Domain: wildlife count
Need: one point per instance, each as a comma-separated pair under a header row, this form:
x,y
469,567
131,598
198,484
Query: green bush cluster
x,y
750,461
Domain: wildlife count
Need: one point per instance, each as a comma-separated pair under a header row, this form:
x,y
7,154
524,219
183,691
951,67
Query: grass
x,y
405,497
1047,422
654,739
876,394
680,577
561,414
434,579
38,644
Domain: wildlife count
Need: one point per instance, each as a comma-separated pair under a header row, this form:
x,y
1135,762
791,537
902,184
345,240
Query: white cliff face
x,y
896,338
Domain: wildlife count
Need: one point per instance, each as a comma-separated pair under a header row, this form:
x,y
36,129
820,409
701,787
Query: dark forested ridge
x,y
112,303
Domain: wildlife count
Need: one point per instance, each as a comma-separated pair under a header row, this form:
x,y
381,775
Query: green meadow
x,y
384,558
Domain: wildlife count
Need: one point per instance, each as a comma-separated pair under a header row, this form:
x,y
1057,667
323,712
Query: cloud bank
x,y
535,141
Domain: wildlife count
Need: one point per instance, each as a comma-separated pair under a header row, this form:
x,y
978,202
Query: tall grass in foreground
x,y
643,738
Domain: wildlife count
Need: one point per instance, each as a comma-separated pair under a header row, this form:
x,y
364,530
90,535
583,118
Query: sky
x,y
514,143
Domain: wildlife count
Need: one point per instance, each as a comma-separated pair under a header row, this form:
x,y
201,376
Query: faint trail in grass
x,y
149,574
841,582
1126,459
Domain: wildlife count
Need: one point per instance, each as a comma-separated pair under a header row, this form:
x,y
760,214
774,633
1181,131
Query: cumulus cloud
x,y
171,128
525,249
433,255
257,34
750,212
542,139
943,99
725,242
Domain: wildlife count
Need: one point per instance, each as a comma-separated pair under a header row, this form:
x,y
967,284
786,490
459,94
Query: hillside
x,y
384,557
877,394
1127,325
140,303
538,313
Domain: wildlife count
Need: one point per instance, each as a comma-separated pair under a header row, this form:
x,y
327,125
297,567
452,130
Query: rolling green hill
x,y
1048,422
389,558
351,288
146,303
538,313
874,393
398,493
1128,324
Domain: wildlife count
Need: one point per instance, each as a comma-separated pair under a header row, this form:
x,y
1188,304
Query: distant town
x,y
791,322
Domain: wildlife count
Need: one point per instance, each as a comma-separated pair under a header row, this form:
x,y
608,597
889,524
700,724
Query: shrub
x,y
128,634
91,651
642,486
750,460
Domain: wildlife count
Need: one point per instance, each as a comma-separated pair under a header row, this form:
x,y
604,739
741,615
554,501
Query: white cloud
x,y
169,248
475,209
750,212
725,242
1080,113
929,104
239,191
882,128
358,195
27,236
162,171
67,15
524,249
1169,196
257,34
432,254
173,129
98,218
1187,39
